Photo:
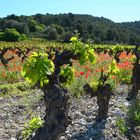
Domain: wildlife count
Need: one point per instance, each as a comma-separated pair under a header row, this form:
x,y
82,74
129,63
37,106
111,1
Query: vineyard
x,y
52,87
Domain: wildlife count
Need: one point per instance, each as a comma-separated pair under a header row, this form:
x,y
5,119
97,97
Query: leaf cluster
x,y
68,73
37,68
84,51
113,69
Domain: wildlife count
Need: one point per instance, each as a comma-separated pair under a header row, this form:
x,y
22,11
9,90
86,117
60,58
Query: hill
x,y
61,27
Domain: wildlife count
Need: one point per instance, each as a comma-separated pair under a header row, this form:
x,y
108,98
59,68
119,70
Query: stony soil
x,y
16,110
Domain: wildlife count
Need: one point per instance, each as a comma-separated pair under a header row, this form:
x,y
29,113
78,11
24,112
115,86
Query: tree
x,y
58,28
51,33
13,17
40,27
32,24
12,35
19,26
89,27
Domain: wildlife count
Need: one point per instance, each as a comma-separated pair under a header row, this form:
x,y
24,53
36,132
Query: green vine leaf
x,y
68,73
85,51
37,67
113,69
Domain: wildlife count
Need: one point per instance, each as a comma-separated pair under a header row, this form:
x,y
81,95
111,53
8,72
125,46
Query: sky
x,y
116,10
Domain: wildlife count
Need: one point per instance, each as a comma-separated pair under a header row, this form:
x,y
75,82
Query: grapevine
x,y
84,51
37,68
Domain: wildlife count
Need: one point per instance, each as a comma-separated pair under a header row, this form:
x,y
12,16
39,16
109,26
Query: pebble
x,y
83,113
1,99
12,138
85,126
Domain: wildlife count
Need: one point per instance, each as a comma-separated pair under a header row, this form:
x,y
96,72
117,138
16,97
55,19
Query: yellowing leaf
x,y
73,39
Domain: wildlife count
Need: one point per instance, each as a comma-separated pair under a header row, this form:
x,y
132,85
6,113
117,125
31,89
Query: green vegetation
x,y
67,73
41,66
121,124
85,51
63,26
16,88
37,68
11,35
31,127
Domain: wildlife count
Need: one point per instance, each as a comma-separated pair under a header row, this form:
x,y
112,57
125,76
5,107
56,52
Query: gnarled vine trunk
x,y
135,76
103,95
103,98
135,82
57,101
56,119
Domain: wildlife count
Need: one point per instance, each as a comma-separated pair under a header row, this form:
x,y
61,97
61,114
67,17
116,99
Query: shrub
x,y
12,35
19,26
51,33
40,28
23,37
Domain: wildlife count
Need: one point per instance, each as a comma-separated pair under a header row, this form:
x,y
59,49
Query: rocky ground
x,y
16,110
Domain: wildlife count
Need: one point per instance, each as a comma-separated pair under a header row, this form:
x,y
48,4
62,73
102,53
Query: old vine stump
x,y
103,95
135,82
103,98
56,119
